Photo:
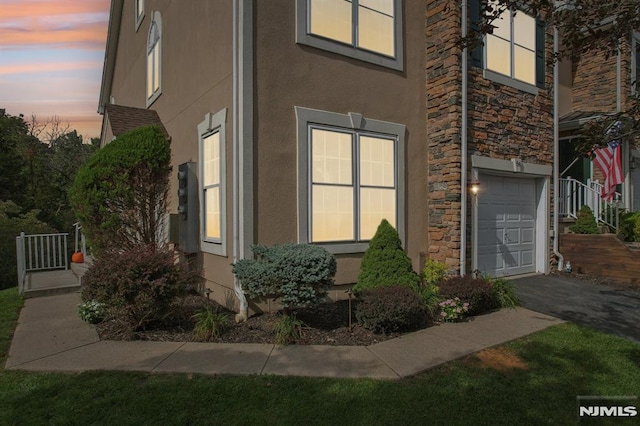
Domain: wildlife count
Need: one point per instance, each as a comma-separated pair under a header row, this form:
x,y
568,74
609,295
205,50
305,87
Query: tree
x,y
12,131
120,195
385,263
587,27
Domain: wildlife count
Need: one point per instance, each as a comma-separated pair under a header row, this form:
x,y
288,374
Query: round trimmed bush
x,y
389,309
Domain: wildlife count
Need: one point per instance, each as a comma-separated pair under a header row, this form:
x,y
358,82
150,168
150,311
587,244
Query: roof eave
x,y
113,33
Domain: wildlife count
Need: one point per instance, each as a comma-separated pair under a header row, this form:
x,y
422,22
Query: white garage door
x,y
506,225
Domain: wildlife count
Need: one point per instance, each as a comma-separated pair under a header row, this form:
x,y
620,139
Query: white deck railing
x,y
574,194
40,252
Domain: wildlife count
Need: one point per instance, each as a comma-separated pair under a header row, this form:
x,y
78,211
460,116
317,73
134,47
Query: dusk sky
x,y
51,56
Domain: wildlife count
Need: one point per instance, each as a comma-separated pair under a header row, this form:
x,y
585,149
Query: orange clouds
x,y
62,22
48,67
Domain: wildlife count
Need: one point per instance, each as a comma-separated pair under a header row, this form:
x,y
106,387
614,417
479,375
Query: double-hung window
x,y
154,59
349,178
212,183
369,30
513,53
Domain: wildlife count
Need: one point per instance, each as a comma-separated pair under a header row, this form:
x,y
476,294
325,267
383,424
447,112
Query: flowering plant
x,y
453,310
91,312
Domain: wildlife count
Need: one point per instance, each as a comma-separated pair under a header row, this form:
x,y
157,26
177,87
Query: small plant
x,y
390,309
585,223
434,272
385,264
453,310
630,226
92,311
288,329
505,292
210,324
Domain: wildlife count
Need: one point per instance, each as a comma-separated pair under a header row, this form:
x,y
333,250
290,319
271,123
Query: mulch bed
x,y
325,324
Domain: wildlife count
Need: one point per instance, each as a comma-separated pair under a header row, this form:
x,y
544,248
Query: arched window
x,y
154,59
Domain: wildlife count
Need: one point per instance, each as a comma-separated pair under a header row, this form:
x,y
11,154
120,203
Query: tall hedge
x,y
120,194
385,263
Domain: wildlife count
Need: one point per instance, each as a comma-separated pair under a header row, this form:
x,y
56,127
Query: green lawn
x,y
555,366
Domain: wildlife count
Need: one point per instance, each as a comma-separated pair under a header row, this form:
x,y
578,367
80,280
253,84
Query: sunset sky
x,y
51,56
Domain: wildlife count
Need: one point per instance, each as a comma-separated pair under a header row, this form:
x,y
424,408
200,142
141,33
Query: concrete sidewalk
x,y
51,337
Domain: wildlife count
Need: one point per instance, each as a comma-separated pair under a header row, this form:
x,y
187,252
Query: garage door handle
x,y
505,237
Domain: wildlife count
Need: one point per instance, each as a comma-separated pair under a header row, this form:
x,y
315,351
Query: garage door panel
x,y
506,225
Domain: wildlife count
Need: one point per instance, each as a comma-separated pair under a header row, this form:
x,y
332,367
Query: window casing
x,y
212,183
349,178
139,11
368,30
154,59
635,64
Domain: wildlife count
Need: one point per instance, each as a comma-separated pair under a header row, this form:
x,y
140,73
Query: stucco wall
x,y
288,75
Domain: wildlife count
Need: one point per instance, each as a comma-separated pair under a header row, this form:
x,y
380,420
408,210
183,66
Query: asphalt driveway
x,y
608,309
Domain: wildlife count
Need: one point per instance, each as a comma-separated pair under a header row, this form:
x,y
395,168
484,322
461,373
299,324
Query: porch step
x,y
49,283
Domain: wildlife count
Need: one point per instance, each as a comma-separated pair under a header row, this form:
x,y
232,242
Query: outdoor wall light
x,y
475,186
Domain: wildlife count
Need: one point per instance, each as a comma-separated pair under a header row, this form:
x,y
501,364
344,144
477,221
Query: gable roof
x,y
124,118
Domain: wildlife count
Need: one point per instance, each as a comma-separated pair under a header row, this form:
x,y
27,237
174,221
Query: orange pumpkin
x,y
77,257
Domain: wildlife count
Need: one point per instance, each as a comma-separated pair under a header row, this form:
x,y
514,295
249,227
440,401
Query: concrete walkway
x,y
51,337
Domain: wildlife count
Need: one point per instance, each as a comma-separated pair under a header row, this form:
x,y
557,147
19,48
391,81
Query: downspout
x,y
237,288
463,148
556,153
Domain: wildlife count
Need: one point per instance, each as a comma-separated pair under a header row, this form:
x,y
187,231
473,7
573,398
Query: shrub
x,y
478,292
13,221
453,310
137,285
389,309
92,311
210,324
120,194
434,272
505,292
630,226
385,263
299,274
585,223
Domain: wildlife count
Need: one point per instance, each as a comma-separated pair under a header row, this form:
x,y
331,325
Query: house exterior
x,y
309,121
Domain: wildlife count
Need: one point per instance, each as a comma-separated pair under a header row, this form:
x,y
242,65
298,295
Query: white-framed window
x,y
212,183
154,59
350,177
139,11
635,64
514,53
369,30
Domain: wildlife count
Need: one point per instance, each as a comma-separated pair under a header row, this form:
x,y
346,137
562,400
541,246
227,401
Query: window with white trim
x,y
212,186
369,30
139,7
154,59
349,178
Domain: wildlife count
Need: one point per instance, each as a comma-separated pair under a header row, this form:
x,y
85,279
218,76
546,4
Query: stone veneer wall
x,y
443,79
503,123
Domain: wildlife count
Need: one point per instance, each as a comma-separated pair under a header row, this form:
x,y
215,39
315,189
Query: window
x,y
154,59
514,53
635,64
139,13
349,178
368,30
212,169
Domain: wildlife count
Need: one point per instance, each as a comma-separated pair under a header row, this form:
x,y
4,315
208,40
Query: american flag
x,y
609,161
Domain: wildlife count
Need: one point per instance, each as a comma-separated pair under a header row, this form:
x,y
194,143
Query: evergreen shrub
x,y
298,274
585,223
478,292
385,263
390,309
137,286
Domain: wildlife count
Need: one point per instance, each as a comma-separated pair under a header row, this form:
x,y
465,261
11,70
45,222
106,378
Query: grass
x,y
552,368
